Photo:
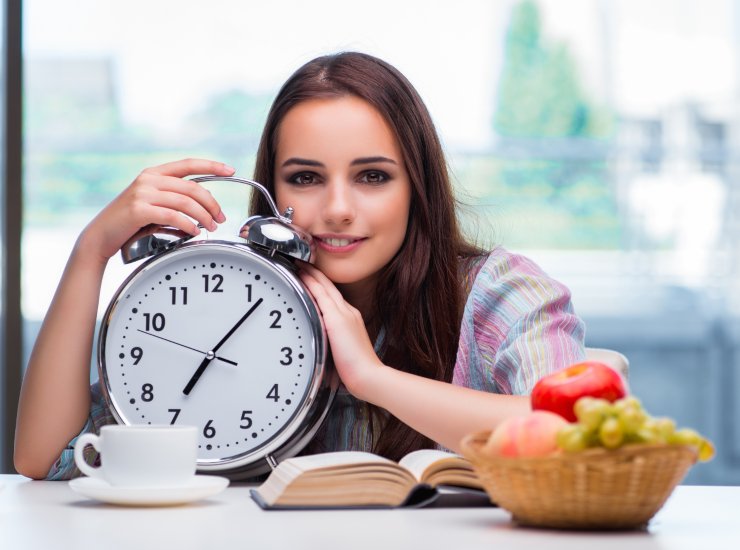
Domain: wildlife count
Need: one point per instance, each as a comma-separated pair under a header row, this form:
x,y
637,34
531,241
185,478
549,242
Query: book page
x,y
333,460
435,467
337,479
418,462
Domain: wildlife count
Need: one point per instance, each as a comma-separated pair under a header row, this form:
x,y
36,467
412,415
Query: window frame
x,y
11,338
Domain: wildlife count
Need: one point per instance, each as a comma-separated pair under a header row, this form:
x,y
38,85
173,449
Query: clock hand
x,y
211,354
187,347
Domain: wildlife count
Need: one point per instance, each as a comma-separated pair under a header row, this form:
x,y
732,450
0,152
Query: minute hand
x,y
211,354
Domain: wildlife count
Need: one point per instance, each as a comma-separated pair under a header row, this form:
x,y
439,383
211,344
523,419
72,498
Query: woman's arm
x,y
441,411
55,396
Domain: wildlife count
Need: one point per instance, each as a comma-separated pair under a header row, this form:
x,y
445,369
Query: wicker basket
x,y
593,489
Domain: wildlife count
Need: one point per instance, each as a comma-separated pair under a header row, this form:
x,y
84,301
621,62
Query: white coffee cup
x,y
150,456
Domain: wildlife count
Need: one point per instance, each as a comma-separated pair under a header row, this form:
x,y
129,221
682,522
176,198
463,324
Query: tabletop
x,y
49,515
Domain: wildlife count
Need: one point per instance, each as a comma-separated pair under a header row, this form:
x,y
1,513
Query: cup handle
x,y
83,441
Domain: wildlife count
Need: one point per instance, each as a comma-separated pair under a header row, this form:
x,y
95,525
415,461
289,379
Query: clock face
x,y
216,336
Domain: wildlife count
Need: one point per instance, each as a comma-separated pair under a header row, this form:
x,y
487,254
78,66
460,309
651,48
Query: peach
x,y
531,435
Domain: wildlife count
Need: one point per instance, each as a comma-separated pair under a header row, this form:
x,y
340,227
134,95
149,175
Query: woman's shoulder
x,y
497,263
504,275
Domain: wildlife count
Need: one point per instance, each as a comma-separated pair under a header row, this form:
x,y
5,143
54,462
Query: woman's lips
x,y
338,244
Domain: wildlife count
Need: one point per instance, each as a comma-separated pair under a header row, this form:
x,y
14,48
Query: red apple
x,y
558,392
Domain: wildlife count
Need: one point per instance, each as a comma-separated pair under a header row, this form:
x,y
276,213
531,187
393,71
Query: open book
x,y
360,479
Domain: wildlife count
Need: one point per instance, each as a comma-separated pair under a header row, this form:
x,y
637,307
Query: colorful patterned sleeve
x,y
64,467
518,325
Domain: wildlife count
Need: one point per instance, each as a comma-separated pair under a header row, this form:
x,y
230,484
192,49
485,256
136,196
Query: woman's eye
x,y
304,178
373,177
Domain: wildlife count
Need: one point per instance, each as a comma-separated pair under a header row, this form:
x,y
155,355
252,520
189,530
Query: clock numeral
x,y
273,393
209,431
183,292
288,359
156,321
246,418
137,353
175,415
217,278
275,322
249,293
147,392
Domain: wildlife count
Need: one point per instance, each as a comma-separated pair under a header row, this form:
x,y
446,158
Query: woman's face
x,y
340,167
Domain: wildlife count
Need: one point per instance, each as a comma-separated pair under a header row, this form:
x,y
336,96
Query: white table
x,y
48,515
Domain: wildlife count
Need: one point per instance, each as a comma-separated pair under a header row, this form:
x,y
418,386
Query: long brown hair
x,y
419,297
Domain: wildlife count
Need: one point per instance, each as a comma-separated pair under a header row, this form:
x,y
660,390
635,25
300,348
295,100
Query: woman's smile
x,y
338,244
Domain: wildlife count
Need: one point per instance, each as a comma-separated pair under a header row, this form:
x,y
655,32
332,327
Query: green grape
x,y
706,451
591,411
665,428
686,436
611,433
629,402
643,435
572,438
631,418
650,426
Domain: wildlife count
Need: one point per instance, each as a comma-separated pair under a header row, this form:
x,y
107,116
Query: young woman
x,y
432,338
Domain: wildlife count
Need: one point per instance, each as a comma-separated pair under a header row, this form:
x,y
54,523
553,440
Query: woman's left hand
x,y
354,357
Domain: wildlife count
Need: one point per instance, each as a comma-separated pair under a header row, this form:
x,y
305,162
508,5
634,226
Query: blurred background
x,y
599,137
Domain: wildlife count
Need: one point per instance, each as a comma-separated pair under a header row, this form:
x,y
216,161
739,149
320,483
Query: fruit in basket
x,y
573,438
559,391
600,423
630,413
611,433
531,435
687,436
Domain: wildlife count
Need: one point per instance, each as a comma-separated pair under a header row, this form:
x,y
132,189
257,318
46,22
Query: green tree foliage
x,y
540,94
548,184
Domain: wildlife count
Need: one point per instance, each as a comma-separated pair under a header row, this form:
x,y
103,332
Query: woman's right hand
x,y
158,195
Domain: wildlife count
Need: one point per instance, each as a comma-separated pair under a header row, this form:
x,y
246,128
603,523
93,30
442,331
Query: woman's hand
x,y
158,195
354,357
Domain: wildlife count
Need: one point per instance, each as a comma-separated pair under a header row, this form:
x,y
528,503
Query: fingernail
x,y
213,227
230,168
220,217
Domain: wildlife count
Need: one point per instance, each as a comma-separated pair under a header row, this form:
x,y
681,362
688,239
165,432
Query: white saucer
x,y
197,488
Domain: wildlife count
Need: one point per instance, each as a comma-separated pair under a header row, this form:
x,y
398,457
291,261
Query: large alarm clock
x,y
220,334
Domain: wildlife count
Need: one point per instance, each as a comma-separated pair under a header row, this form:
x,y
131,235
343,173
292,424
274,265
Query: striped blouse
x,y
517,326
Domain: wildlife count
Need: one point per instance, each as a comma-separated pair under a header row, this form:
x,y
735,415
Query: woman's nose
x,y
340,204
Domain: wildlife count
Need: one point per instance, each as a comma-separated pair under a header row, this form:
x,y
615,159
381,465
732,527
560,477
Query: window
x,y
592,136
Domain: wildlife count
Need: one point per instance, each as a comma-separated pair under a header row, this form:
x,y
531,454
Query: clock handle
x,y
286,217
275,235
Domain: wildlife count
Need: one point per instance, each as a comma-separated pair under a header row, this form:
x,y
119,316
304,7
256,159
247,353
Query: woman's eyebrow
x,y
302,162
359,161
372,160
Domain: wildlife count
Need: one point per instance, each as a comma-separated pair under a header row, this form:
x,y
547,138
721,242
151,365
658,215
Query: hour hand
x,y
198,373
212,354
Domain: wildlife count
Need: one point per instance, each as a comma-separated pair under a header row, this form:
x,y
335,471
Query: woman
x,y
431,337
